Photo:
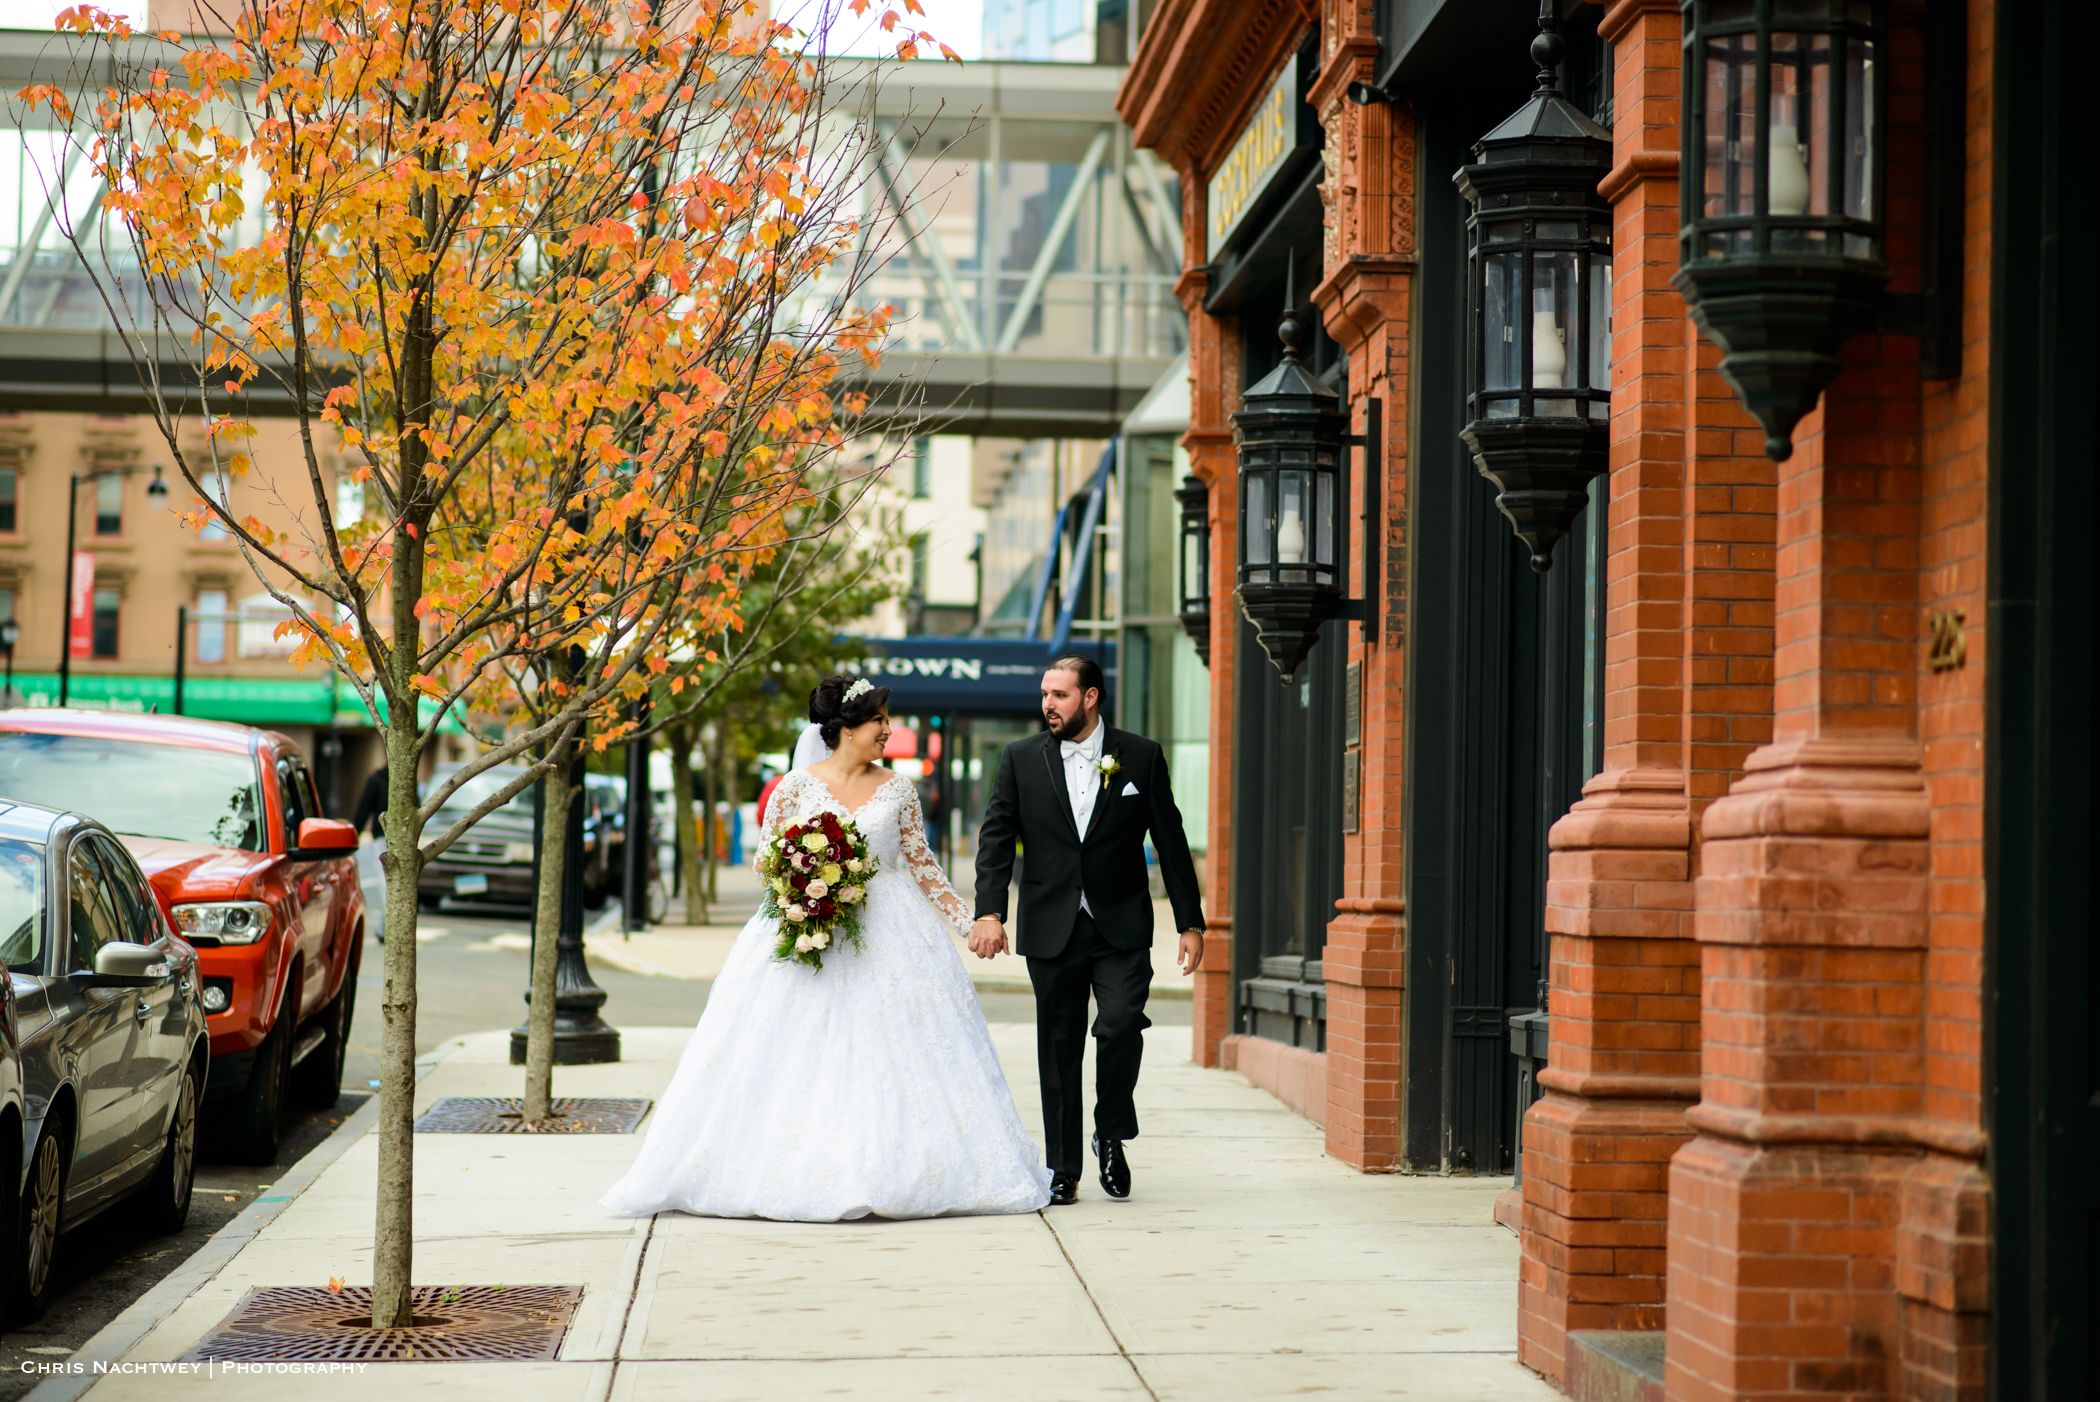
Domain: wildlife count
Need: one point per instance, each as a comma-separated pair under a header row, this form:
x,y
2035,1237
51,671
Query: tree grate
x,y
466,1114
456,1323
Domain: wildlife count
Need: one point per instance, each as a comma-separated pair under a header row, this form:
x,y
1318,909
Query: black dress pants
x,y
1119,979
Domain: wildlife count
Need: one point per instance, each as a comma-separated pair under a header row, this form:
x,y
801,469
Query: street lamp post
x,y
158,490
581,1036
10,634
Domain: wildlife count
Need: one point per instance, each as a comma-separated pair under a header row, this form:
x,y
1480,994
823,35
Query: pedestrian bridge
x,y
1030,251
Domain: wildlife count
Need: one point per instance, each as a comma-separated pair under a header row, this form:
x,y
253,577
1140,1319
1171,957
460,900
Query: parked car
x,y
225,821
492,863
12,1117
109,1026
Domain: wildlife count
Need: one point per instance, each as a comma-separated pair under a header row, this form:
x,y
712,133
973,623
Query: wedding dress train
x,y
866,1088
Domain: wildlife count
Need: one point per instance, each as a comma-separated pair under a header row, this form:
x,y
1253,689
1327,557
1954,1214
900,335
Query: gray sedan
x,y
111,1044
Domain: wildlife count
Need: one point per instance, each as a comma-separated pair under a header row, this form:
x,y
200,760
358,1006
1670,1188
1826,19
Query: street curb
x,y
124,1333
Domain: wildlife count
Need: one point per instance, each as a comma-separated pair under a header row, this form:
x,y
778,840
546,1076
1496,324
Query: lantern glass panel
x,y
1555,290
1500,299
1861,76
1258,524
1194,586
1323,535
1290,518
1600,333
1731,137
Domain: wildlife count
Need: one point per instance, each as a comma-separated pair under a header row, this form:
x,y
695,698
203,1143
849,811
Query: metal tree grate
x,y
310,1323
465,1114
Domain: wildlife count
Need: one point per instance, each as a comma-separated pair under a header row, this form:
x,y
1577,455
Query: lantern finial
x,y
1288,330
1547,49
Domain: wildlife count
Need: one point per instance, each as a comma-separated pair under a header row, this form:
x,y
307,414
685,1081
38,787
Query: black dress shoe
x,y
1115,1169
1064,1190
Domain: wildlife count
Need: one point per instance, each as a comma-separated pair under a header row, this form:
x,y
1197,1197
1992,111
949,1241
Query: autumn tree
x,y
541,273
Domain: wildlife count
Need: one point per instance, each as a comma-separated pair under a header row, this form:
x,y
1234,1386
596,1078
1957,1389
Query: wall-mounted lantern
x,y
1194,497
1293,448
1785,142
1539,298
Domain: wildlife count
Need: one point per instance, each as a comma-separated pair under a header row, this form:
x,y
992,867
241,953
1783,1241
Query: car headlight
x,y
517,852
223,922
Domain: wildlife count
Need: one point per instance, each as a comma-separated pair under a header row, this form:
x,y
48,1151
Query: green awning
x,y
325,700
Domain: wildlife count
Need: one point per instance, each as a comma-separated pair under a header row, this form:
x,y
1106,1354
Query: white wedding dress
x,y
866,1088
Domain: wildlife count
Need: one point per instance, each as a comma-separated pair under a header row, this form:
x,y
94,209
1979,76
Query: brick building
x,y
1762,823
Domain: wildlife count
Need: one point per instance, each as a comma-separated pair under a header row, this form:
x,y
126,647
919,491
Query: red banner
x,y
80,634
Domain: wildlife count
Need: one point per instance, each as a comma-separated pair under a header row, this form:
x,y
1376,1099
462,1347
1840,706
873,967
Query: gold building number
x,y
1949,646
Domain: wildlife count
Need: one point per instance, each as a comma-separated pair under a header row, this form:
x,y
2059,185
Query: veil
x,y
810,748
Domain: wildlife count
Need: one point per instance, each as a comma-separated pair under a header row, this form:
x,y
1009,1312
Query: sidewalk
x,y
1247,1265
697,951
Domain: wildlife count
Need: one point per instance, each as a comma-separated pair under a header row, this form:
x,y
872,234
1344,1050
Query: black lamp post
x,y
1293,443
1194,497
1539,274
10,634
1785,139
158,490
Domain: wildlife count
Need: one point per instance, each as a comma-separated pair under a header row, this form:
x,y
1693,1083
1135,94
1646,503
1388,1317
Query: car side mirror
x,y
323,838
120,964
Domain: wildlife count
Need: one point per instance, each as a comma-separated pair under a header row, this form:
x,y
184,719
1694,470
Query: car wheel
x,y
319,1078
429,902
166,1201
34,1268
259,1120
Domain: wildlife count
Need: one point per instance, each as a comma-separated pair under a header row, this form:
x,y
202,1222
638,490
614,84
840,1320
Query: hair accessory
x,y
859,688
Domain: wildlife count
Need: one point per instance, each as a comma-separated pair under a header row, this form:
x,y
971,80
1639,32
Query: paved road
x,y
472,971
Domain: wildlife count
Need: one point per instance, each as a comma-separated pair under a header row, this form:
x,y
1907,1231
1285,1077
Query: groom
x,y
1080,800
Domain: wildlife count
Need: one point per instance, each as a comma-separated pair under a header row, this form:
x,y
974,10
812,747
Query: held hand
x,y
987,937
1191,957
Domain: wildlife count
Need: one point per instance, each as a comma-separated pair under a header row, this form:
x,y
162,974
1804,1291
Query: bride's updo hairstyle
x,y
831,709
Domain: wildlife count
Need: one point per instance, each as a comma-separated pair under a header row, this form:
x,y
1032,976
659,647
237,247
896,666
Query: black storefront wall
x,y
1287,835
1499,695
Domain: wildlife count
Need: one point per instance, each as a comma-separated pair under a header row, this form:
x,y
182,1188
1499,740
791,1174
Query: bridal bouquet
x,y
816,874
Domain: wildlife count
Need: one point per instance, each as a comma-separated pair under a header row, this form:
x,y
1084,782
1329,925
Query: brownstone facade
x,y
1761,1129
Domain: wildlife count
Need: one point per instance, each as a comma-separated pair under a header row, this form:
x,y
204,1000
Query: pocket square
x,y
1128,790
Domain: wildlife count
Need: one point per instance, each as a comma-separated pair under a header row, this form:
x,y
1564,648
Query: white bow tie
x,y
1068,748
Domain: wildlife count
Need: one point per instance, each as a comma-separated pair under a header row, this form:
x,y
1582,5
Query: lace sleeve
x,y
780,811
919,859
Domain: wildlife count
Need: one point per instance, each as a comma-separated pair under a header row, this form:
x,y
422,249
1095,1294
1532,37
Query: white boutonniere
x,y
1109,766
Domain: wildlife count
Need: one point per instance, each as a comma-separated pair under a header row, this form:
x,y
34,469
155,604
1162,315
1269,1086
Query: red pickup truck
x,y
226,824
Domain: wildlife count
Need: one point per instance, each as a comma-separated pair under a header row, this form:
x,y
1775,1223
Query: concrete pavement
x,y
1246,1265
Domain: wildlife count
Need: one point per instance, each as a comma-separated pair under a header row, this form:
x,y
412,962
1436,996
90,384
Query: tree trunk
x,y
546,933
682,820
393,1254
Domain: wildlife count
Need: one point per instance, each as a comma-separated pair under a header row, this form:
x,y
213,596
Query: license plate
x,y
472,885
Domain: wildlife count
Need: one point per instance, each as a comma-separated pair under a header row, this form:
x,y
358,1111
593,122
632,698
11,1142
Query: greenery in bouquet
x,y
816,874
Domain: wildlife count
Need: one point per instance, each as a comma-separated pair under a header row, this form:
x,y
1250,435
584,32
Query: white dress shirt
x,y
1083,782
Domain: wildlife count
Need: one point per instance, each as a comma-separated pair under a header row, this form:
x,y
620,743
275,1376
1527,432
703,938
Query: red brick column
x,y
1365,301
1214,392
1825,1220
1623,995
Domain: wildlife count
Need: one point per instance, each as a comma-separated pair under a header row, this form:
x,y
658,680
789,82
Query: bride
x,y
868,1087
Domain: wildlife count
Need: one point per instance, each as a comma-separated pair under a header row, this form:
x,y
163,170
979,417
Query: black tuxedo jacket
x,y
1030,804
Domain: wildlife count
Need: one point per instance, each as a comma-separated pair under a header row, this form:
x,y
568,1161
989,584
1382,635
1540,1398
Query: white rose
x,y
815,841
821,939
817,890
796,912
849,894
804,944
854,865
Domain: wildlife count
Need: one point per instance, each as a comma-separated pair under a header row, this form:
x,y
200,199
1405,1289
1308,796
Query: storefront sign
x,y
1256,158
961,676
